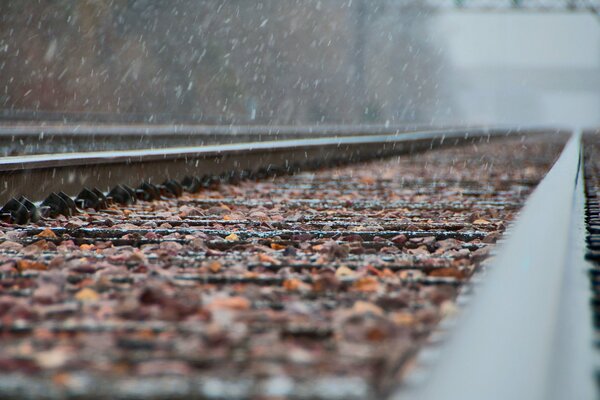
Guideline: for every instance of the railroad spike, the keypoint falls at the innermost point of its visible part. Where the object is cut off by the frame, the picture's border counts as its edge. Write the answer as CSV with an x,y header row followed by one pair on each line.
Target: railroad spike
x,y
191,184
69,201
55,205
147,192
174,187
119,194
101,197
16,212
210,181
131,192
34,213
88,199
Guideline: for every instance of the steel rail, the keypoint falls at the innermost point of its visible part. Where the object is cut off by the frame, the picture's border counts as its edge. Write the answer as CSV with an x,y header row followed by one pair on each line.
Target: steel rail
x,y
38,138
526,332
35,176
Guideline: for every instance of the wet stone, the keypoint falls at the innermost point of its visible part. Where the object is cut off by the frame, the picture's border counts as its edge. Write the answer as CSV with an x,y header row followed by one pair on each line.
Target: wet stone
x,y
292,286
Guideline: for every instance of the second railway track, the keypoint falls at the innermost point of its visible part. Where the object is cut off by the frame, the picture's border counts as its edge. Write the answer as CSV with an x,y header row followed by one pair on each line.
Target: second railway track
x,y
260,280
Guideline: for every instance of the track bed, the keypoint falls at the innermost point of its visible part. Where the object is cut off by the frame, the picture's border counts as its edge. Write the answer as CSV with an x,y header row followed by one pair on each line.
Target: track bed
x,y
319,285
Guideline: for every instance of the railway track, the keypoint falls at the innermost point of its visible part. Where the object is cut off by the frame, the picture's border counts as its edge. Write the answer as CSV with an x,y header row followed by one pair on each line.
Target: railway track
x,y
307,268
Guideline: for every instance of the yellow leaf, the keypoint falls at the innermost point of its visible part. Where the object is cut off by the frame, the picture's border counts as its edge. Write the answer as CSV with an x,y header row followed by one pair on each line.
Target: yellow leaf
x,y
232,238
344,271
403,318
87,295
364,307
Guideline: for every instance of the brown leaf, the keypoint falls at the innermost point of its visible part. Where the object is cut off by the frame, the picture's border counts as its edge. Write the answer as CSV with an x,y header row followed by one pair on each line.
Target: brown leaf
x,y
265,258
447,273
215,267
24,265
366,284
232,303
294,285
276,246
47,233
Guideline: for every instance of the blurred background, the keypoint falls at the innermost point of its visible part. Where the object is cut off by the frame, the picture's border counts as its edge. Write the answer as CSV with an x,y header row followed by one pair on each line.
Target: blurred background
x,y
301,61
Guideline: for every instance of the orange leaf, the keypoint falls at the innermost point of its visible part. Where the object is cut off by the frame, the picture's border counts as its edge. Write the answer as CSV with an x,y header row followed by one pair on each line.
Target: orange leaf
x,y
364,307
24,265
367,180
232,238
366,284
232,303
403,318
215,267
47,233
447,273
87,295
265,258
294,284
276,246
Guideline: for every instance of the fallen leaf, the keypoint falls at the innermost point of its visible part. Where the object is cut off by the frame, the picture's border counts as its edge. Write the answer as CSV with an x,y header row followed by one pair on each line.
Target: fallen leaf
x,y
447,273
87,295
24,265
294,285
364,307
215,267
265,258
47,233
366,284
232,303
367,180
276,246
344,271
51,359
403,318
481,222
232,238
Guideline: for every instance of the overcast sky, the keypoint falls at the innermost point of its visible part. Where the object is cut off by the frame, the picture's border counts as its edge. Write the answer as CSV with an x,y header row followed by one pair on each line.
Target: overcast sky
x,y
523,68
